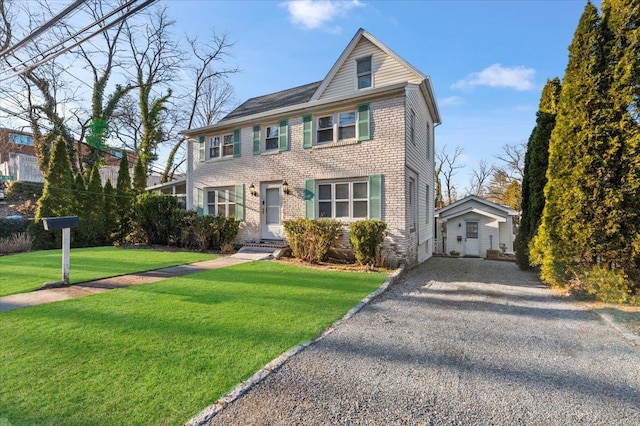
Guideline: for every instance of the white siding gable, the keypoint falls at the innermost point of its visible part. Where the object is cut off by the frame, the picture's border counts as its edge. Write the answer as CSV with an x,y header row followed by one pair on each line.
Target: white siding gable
x,y
386,71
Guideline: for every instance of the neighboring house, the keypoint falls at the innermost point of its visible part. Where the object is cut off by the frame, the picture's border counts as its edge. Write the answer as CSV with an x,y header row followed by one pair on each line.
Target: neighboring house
x,y
176,188
358,144
18,158
472,225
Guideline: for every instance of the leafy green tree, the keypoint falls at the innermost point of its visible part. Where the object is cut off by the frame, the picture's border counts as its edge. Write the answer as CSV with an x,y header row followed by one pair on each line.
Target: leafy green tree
x,y
124,200
81,207
535,170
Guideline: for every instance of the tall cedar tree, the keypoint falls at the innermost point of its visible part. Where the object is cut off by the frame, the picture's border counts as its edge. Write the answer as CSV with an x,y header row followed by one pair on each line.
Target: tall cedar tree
x,y
57,196
568,220
96,212
621,21
109,216
139,176
124,199
535,169
81,207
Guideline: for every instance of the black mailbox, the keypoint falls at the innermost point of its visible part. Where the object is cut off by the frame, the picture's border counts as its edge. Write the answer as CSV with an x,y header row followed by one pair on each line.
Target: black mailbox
x,y
53,223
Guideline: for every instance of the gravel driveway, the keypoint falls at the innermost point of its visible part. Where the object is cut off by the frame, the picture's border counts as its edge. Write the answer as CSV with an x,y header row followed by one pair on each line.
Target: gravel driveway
x,y
456,341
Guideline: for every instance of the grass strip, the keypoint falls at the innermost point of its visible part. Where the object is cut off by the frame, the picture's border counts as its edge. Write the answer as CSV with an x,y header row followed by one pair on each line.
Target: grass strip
x,y
28,271
160,353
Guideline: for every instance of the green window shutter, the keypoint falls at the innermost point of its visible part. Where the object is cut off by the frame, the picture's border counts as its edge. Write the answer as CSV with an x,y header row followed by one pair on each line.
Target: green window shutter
x,y
283,138
236,143
309,198
240,202
256,140
200,202
307,131
375,197
201,150
364,128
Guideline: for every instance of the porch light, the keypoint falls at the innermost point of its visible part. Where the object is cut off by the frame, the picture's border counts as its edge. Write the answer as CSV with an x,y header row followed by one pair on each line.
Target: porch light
x,y
253,191
285,187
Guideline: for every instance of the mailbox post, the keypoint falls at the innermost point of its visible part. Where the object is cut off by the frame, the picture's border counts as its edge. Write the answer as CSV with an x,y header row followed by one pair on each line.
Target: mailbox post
x,y
65,223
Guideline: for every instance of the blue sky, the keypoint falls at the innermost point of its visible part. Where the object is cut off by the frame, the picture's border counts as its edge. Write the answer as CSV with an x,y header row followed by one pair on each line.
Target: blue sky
x,y
488,60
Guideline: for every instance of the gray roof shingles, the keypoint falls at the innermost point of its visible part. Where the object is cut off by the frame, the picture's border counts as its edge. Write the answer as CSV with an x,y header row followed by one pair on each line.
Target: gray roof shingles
x,y
284,98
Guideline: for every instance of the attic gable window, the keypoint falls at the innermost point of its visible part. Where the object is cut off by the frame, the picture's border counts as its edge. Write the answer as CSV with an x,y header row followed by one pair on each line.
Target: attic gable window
x,y
363,70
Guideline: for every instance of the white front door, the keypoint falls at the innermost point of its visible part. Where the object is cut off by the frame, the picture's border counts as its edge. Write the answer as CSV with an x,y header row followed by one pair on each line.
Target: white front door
x,y
472,240
271,211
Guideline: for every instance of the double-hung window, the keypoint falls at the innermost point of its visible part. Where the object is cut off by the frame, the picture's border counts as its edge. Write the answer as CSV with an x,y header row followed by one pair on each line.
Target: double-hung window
x,y
227,147
221,201
347,125
336,127
221,146
214,147
343,200
325,129
271,137
363,69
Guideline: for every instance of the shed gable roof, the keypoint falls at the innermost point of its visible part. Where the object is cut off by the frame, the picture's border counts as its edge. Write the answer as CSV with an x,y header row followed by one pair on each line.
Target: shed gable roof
x,y
473,199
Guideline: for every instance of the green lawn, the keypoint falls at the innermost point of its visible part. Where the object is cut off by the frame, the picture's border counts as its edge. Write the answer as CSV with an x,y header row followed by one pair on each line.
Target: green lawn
x,y
28,271
160,353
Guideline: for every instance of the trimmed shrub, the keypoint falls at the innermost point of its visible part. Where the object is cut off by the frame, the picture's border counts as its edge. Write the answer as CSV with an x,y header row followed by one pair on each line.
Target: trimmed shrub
x,y
366,237
310,240
611,286
9,227
16,243
207,232
156,220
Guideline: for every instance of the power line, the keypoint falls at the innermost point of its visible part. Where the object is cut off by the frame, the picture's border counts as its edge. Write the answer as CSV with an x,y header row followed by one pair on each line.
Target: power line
x,y
90,36
44,27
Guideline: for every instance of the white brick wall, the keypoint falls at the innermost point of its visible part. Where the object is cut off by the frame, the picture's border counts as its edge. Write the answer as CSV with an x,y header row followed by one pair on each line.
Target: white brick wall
x,y
383,154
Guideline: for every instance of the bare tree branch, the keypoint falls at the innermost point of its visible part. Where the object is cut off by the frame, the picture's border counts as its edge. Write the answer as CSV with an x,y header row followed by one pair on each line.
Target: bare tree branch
x,y
447,167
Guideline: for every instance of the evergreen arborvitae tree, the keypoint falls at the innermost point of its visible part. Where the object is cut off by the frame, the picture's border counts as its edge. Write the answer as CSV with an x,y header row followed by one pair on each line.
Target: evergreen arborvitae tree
x,y
139,176
57,197
621,27
109,216
567,229
535,168
81,208
124,200
96,211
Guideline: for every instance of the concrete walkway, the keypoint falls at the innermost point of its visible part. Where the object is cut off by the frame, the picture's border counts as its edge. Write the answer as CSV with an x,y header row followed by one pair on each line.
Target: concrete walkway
x,y
40,297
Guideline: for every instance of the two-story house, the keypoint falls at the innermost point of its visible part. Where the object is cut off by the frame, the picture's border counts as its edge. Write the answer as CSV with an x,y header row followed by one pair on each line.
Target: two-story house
x,y
357,144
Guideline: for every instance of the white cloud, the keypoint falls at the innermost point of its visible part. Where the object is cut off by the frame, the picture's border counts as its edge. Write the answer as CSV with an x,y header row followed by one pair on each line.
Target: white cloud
x,y
451,101
314,14
519,78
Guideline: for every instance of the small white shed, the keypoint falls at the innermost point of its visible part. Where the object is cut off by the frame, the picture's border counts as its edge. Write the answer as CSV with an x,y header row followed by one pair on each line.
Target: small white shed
x,y
473,225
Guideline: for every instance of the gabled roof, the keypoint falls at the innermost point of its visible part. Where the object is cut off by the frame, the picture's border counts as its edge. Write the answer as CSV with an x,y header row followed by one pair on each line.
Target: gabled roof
x,y
307,95
360,34
507,210
472,210
284,98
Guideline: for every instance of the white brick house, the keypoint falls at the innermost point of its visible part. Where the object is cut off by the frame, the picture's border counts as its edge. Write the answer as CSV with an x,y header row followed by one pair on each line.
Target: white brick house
x,y
357,144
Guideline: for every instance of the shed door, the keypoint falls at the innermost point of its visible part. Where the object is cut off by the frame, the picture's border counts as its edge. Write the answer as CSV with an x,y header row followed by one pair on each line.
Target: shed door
x,y
472,240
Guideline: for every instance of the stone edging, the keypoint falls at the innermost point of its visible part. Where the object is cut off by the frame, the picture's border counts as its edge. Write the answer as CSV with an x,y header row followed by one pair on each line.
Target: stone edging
x,y
209,412
635,340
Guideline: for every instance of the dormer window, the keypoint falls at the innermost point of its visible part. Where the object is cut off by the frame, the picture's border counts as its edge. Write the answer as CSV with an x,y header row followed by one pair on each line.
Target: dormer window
x,y
363,69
